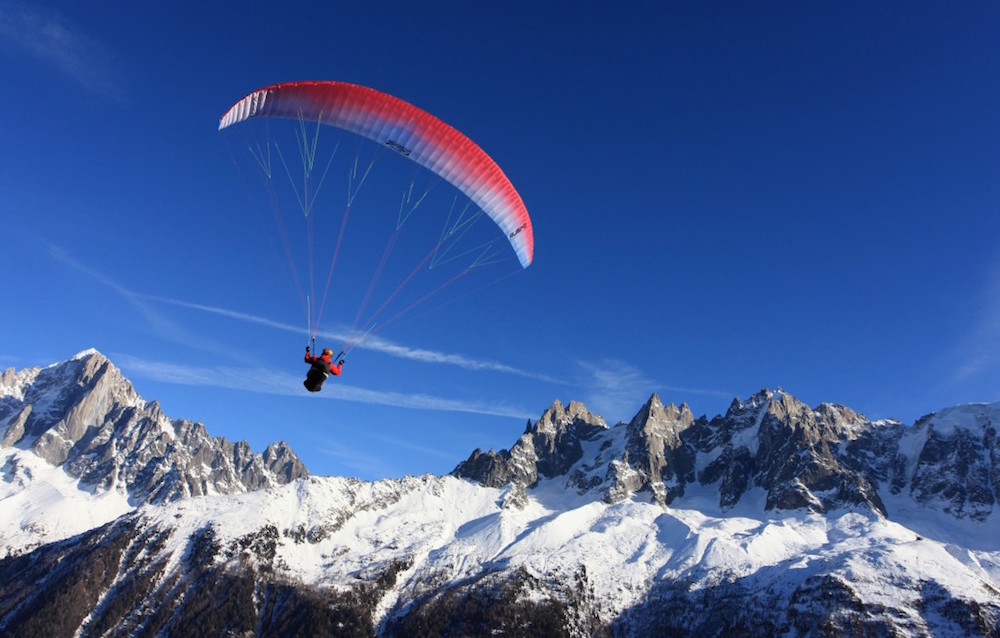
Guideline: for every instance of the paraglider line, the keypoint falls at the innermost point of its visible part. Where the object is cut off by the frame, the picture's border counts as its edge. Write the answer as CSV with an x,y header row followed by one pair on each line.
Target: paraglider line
x,y
352,192
262,157
395,320
405,281
307,153
333,263
275,212
406,198
303,205
482,249
485,258
308,147
453,233
376,276
404,311
350,346
309,332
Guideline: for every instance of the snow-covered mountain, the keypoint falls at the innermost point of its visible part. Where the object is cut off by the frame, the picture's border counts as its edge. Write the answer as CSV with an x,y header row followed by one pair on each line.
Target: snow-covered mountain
x,y
773,519
77,432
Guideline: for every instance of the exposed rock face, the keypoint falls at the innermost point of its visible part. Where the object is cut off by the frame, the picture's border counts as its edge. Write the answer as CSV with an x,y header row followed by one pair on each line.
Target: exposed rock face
x,y
548,449
558,436
654,449
797,461
85,416
803,458
958,468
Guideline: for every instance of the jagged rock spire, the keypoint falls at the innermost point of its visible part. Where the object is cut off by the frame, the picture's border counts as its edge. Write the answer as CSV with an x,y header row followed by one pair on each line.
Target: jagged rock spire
x,y
549,448
84,415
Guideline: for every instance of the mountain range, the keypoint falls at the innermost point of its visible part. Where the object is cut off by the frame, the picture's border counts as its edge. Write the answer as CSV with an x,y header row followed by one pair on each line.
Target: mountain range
x,y
775,518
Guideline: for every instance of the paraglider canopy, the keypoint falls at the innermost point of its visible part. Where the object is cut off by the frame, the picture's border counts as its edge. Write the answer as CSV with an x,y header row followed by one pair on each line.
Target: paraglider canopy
x,y
406,129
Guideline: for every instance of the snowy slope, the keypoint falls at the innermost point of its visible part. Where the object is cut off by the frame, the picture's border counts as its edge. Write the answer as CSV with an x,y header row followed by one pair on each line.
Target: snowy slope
x,y
774,519
40,503
331,532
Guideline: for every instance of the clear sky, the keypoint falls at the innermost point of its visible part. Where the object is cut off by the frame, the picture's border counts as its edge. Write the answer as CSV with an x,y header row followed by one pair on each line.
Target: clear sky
x,y
725,196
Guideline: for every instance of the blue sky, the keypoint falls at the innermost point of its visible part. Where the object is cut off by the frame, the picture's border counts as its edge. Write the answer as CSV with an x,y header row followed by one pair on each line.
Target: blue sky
x,y
725,197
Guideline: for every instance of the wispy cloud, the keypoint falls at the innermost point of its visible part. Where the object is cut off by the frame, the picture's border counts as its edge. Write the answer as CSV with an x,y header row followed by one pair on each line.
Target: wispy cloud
x,y
159,324
354,459
265,381
615,389
358,459
424,450
978,353
684,391
375,344
53,40
461,361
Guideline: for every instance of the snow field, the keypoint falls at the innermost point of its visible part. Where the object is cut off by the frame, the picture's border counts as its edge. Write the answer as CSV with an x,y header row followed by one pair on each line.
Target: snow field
x,y
40,503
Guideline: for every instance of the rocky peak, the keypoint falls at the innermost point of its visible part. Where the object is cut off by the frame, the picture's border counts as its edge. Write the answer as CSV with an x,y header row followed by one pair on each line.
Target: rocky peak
x,y
83,415
548,448
13,383
557,436
280,460
558,419
740,408
783,405
50,409
656,457
664,423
